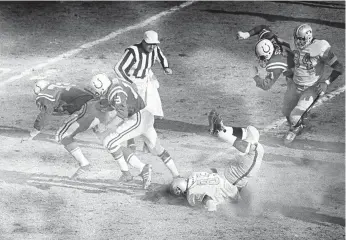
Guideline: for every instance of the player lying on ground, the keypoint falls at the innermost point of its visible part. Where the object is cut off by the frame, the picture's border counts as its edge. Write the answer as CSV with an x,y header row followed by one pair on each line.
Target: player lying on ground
x,y
212,189
132,120
84,113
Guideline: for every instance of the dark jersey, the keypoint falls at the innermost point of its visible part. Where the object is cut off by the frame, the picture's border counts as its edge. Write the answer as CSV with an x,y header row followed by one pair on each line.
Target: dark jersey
x,y
124,99
59,99
278,64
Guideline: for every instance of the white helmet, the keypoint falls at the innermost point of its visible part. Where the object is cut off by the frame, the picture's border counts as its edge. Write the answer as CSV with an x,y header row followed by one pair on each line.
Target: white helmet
x,y
252,135
99,84
264,50
178,186
40,85
302,36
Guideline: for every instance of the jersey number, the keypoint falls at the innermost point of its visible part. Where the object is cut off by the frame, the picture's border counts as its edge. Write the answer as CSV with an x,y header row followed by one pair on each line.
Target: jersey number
x,y
208,181
306,60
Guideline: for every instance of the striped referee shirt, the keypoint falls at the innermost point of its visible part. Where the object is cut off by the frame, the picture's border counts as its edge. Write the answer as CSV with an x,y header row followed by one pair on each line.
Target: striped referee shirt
x,y
136,62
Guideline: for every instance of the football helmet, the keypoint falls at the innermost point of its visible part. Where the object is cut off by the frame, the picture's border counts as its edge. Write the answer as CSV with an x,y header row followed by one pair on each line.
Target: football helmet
x,y
178,186
302,36
40,85
264,50
99,85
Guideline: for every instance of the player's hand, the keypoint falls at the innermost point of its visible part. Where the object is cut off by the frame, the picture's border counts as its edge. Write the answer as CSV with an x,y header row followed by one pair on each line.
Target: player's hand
x,y
168,71
242,35
322,88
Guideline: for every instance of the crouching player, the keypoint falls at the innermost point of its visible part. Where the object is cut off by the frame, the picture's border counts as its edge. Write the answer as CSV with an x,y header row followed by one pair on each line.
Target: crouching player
x,y
212,189
85,112
132,120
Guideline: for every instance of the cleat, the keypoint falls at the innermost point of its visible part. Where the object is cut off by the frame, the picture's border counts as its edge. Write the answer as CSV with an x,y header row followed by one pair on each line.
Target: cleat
x,y
126,176
211,116
291,135
215,122
80,171
146,176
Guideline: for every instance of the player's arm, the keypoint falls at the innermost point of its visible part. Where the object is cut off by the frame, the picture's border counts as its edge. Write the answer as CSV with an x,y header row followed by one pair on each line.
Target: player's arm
x,y
125,63
252,32
271,77
163,61
77,102
285,45
331,59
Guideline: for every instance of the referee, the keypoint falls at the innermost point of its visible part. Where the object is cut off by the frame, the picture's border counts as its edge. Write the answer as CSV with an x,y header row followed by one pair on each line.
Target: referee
x,y
135,68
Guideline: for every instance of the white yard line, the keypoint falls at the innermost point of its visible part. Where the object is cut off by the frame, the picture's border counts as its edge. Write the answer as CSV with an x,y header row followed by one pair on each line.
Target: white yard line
x,y
112,35
325,98
91,44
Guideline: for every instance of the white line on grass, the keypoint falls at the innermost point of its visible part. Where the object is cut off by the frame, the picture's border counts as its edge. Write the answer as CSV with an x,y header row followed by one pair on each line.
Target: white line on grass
x,y
91,44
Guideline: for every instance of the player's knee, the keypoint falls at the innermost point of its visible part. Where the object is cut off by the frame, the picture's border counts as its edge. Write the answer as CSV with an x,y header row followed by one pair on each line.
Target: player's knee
x,y
66,140
127,153
111,142
70,147
117,153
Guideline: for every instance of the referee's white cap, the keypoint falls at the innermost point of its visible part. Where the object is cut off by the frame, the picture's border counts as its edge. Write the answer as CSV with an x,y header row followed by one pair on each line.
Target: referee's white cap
x,y
151,37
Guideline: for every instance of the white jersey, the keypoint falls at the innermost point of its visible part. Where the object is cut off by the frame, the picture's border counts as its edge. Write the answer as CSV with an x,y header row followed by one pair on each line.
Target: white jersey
x,y
213,185
310,62
244,167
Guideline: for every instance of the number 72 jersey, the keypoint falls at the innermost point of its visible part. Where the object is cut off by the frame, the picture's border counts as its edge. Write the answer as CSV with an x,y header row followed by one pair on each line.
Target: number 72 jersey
x,y
201,184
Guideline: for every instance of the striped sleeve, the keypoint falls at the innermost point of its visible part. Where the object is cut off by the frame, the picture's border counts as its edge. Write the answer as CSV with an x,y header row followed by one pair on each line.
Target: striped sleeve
x,y
123,67
162,58
46,104
271,67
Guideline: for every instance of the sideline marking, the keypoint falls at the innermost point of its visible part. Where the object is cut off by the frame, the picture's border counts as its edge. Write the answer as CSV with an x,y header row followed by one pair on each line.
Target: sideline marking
x,y
325,98
93,43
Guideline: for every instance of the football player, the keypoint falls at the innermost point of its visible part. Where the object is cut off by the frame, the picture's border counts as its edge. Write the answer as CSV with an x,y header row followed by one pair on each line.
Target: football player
x,y
212,189
311,55
61,99
132,120
274,54
85,112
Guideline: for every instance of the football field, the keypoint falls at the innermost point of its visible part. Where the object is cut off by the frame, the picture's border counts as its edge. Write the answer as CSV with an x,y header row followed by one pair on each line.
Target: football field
x,y
300,190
